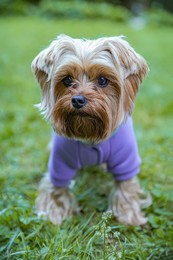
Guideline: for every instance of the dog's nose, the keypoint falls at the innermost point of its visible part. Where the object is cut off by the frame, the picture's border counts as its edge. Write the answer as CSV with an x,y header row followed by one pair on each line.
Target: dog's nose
x,y
78,101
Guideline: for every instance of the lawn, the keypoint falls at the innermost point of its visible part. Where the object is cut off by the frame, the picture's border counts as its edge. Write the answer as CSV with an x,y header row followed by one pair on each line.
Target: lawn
x,y
25,135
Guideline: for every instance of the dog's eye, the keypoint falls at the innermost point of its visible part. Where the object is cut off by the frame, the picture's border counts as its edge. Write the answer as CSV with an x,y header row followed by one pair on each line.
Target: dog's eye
x,y
102,81
67,81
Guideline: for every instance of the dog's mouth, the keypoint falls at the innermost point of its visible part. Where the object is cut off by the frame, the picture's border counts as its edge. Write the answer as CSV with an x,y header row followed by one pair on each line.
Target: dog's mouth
x,y
81,113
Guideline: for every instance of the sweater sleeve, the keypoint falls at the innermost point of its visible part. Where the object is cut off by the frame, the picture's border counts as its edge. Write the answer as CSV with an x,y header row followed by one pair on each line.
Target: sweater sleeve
x,y
63,161
124,162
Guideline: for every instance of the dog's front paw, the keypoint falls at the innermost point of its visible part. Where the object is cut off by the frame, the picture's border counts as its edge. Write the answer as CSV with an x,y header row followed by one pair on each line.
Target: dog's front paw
x,y
55,203
126,201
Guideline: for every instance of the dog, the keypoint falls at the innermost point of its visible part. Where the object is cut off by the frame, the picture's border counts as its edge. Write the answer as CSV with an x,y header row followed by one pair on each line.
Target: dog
x,y
88,93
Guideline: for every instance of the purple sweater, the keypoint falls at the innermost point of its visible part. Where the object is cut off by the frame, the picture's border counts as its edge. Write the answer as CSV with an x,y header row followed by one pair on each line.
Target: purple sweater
x,y
120,152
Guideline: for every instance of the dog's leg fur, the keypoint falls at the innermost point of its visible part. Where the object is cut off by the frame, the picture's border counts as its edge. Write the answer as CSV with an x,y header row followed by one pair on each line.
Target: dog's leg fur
x,y
55,203
126,201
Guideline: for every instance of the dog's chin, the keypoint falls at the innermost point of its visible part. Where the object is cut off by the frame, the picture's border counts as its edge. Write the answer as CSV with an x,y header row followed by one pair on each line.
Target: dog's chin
x,y
82,126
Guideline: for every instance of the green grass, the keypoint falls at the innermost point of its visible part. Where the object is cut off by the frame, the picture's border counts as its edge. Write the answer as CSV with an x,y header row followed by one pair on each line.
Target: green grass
x,y
24,137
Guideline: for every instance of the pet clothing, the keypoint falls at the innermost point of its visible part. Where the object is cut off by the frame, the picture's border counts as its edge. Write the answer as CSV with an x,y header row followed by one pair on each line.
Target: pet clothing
x,y
119,152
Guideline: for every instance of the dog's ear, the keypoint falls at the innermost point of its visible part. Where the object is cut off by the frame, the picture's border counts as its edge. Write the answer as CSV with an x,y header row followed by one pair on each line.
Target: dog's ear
x,y
42,66
133,69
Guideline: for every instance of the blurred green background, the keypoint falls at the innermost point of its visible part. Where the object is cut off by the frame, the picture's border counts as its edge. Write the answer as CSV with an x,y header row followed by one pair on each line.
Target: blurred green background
x,y
116,10
26,27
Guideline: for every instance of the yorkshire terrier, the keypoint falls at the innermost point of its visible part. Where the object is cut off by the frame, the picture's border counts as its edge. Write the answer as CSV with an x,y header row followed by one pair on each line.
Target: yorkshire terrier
x,y
88,92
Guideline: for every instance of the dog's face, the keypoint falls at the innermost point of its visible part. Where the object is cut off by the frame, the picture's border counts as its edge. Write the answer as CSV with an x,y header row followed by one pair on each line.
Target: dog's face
x,y
88,86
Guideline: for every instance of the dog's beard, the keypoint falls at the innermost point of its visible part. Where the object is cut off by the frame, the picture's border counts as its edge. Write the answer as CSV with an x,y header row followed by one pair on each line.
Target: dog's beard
x,y
83,127
90,124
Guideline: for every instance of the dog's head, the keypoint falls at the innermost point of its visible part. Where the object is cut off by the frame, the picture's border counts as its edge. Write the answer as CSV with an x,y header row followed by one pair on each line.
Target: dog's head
x,y
88,86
